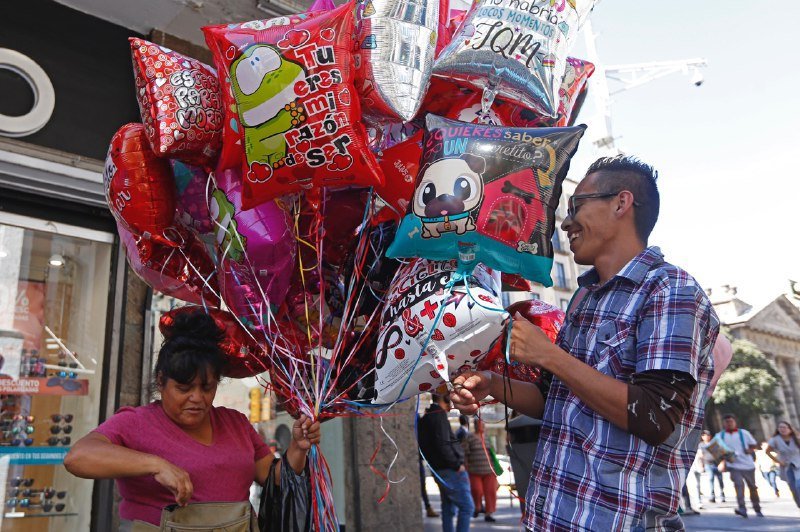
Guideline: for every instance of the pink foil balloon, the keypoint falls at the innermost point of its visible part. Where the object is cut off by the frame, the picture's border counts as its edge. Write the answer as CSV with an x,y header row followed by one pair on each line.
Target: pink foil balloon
x,y
256,248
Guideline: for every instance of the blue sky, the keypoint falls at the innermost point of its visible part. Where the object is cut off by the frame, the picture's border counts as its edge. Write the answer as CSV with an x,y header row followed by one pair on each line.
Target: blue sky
x,y
727,151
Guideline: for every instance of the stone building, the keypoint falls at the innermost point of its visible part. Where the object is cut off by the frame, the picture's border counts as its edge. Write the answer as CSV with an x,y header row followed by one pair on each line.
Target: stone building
x,y
775,329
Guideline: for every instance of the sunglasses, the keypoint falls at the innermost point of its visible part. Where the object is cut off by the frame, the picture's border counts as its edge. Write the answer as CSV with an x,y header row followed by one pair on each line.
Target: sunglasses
x,y
58,429
16,442
19,481
13,502
58,417
573,205
69,384
66,440
47,493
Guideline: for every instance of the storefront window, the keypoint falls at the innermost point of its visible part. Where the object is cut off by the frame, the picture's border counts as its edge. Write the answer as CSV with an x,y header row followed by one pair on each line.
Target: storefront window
x,y
54,291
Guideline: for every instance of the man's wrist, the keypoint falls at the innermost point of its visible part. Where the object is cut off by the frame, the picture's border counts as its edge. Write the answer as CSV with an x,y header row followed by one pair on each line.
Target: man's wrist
x,y
553,359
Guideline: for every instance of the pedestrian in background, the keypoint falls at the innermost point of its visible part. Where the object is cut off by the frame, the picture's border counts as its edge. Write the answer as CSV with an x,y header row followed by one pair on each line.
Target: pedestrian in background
x,y
429,511
784,448
769,469
710,466
445,456
742,467
463,428
482,478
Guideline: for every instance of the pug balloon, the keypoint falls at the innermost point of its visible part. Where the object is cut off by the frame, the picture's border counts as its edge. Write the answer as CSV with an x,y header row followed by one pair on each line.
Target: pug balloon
x,y
449,190
487,194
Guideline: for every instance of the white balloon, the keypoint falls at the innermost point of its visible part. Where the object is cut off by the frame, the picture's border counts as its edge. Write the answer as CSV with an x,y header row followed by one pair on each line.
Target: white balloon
x,y
466,328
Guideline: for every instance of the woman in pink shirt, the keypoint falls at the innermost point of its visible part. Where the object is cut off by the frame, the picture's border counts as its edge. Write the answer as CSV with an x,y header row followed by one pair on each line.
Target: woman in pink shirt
x,y
182,449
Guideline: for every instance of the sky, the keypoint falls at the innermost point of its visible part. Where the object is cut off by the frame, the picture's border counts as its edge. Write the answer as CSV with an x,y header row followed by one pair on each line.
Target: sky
x,y
726,151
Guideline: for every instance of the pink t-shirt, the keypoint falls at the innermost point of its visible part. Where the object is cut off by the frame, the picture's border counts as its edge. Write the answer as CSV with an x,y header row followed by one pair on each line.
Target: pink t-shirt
x,y
220,472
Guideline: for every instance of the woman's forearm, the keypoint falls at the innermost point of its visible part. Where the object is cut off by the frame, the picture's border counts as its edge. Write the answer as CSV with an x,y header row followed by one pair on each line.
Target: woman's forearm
x,y
97,458
296,457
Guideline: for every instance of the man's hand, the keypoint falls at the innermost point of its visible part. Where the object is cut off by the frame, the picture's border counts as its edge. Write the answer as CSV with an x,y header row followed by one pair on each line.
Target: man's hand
x,y
461,468
305,433
175,480
529,344
470,388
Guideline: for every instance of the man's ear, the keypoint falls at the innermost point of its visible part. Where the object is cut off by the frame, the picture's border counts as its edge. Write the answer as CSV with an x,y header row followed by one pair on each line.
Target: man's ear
x,y
625,201
476,163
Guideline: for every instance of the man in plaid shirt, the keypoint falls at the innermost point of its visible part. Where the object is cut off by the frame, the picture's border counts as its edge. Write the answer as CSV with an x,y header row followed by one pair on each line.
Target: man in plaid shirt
x,y
628,374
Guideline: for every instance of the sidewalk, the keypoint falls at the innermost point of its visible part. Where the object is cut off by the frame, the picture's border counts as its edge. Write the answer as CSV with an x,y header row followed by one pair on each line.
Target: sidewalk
x,y
781,514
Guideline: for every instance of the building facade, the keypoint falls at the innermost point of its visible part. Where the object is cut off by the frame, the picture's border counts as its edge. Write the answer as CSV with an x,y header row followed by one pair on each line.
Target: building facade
x,y
775,329
62,268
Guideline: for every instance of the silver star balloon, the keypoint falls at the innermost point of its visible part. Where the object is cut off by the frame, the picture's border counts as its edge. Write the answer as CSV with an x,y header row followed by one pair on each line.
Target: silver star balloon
x,y
397,42
516,49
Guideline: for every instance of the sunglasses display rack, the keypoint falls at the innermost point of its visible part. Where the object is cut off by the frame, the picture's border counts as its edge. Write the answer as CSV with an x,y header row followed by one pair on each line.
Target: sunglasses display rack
x,y
38,423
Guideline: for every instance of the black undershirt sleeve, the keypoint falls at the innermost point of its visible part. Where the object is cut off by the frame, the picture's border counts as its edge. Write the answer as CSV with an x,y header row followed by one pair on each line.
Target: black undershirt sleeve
x,y
657,400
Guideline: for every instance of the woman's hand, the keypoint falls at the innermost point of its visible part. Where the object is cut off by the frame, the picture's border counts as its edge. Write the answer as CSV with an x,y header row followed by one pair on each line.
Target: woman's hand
x,y
305,433
175,480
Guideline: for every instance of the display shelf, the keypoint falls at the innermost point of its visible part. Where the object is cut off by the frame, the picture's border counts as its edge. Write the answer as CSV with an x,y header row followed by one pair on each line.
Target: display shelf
x,y
43,386
22,515
35,455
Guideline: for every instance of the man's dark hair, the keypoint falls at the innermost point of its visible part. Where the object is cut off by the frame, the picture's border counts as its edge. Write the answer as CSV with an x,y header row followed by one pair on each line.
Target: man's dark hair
x,y
463,420
730,416
625,172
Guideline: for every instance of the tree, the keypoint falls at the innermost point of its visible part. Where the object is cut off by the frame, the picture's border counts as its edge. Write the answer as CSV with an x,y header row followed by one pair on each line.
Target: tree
x,y
748,386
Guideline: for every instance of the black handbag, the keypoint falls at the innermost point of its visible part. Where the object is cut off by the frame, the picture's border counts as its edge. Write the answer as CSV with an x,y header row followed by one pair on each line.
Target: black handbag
x,y
285,505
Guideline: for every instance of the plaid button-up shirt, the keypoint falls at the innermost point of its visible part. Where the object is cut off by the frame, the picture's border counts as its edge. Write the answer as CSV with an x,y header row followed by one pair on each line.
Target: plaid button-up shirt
x,y
588,473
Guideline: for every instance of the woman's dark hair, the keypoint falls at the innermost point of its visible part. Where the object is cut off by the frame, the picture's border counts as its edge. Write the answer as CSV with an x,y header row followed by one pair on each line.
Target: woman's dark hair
x,y
191,347
794,433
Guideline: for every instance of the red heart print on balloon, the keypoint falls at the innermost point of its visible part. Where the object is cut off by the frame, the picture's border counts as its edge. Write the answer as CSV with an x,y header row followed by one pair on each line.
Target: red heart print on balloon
x,y
328,34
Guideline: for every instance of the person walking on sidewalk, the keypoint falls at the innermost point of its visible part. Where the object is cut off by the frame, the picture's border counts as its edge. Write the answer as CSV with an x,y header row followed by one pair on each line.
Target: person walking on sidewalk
x,y
463,428
482,479
429,511
742,467
445,456
710,466
784,449
768,468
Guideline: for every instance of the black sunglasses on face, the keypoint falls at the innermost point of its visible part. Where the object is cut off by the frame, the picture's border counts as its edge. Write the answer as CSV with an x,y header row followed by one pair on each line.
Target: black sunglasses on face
x,y
573,206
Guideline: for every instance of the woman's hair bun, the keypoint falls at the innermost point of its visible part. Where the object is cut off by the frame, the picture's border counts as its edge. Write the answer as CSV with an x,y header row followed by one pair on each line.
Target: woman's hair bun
x,y
194,325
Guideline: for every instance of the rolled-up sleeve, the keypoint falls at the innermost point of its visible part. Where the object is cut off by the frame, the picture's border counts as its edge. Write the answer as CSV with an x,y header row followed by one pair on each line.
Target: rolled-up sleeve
x,y
678,326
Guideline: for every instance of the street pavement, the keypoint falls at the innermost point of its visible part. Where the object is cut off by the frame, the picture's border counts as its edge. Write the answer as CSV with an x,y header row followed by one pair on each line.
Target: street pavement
x,y
781,514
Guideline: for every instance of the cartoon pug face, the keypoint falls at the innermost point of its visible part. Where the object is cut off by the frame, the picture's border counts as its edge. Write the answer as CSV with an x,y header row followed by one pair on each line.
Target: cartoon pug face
x,y
448,191
263,84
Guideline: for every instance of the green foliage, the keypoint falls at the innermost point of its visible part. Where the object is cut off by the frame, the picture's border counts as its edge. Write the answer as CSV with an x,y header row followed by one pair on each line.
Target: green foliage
x,y
749,384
